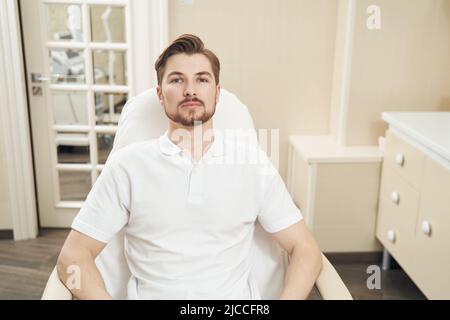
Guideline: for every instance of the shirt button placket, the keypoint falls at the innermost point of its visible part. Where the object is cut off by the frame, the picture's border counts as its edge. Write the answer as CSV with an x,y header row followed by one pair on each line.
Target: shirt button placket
x,y
196,184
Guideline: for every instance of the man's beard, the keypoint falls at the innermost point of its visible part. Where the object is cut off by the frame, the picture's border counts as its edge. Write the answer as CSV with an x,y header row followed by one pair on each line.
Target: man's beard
x,y
192,117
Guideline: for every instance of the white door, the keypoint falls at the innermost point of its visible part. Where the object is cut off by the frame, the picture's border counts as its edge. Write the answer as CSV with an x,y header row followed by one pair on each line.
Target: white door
x,y
80,73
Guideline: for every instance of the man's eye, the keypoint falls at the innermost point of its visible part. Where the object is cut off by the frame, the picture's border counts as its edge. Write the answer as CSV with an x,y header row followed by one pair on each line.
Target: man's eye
x,y
175,80
203,80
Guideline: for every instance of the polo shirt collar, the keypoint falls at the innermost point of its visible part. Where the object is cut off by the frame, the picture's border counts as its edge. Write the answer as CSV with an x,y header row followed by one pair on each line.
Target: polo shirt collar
x,y
169,148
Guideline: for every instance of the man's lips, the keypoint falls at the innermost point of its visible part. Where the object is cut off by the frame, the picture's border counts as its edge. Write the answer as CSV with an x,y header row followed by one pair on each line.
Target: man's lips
x,y
190,104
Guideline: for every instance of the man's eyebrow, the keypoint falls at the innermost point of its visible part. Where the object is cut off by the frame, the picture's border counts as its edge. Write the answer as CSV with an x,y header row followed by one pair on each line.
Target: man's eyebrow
x,y
174,73
201,73
206,73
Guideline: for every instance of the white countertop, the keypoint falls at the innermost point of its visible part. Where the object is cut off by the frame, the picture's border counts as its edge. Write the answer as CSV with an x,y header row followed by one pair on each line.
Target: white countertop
x,y
323,149
430,129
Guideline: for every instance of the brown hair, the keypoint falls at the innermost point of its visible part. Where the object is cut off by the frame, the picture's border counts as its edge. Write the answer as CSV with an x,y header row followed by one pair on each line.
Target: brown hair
x,y
189,44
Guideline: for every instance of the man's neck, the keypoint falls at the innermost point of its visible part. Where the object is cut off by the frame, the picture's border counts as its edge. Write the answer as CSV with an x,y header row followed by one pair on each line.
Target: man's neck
x,y
194,139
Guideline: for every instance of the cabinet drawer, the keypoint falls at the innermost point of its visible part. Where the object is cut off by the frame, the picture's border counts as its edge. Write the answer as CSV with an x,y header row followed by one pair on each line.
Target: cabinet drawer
x,y
397,216
406,160
431,263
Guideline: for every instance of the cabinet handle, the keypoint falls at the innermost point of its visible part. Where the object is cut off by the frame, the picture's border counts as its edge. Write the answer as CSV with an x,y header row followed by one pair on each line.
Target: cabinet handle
x,y
426,228
399,159
391,236
395,197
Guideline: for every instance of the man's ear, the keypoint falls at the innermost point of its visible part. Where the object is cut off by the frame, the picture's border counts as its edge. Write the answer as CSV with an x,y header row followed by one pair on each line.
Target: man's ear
x,y
159,94
217,93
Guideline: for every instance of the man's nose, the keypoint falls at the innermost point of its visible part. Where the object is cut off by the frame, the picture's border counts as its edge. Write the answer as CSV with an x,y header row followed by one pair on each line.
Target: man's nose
x,y
190,90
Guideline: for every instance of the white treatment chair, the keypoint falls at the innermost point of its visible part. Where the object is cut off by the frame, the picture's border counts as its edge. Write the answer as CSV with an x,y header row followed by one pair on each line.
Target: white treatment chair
x,y
143,118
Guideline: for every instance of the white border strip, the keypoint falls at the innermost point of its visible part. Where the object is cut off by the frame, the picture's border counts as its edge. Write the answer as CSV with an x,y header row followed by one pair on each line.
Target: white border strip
x,y
110,88
82,45
105,129
69,128
74,167
86,129
95,88
93,2
68,87
69,204
129,70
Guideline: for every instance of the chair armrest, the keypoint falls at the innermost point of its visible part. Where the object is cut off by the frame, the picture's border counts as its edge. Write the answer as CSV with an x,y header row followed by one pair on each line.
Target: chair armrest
x,y
55,289
330,284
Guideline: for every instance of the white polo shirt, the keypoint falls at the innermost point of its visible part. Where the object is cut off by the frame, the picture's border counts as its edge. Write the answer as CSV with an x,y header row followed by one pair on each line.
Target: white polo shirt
x,y
188,226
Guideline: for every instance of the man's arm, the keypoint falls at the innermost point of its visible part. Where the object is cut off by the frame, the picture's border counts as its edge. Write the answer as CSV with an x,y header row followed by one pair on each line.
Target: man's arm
x,y
305,260
78,254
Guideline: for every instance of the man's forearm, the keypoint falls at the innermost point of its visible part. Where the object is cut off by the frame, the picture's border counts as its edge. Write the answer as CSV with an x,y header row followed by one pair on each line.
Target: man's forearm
x,y
304,268
80,275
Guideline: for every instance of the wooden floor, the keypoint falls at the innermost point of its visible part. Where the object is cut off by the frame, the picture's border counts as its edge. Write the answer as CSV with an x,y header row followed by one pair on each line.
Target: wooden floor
x,y
26,265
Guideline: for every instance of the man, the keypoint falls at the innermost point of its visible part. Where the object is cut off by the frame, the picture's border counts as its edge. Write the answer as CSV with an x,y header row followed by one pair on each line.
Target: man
x,y
188,212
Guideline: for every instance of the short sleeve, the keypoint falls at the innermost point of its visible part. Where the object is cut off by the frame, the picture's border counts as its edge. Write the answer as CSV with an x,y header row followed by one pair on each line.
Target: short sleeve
x,y
106,209
277,211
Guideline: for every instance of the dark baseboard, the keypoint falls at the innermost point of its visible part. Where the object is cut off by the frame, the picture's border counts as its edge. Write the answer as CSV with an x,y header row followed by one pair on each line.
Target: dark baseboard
x,y
6,235
354,257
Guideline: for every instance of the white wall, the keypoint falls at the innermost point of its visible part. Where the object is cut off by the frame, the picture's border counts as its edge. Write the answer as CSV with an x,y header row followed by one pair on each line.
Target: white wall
x,y
404,66
276,56
279,58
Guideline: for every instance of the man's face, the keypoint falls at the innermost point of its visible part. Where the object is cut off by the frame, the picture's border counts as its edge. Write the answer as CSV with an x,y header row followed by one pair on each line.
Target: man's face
x,y
188,89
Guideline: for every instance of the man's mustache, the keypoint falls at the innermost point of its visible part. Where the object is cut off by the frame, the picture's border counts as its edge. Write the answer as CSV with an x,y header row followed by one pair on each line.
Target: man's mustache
x,y
191,100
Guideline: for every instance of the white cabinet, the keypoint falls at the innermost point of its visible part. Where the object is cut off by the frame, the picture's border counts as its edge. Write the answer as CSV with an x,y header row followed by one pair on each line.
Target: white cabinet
x,y
413,220
399,199
431,262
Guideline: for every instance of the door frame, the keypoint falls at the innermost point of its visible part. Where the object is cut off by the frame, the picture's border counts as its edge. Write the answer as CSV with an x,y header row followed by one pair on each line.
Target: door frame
x,y
15,129
149,38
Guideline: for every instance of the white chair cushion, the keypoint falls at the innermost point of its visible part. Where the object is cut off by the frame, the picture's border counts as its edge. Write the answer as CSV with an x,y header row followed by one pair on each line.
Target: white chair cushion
x,y
143,118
